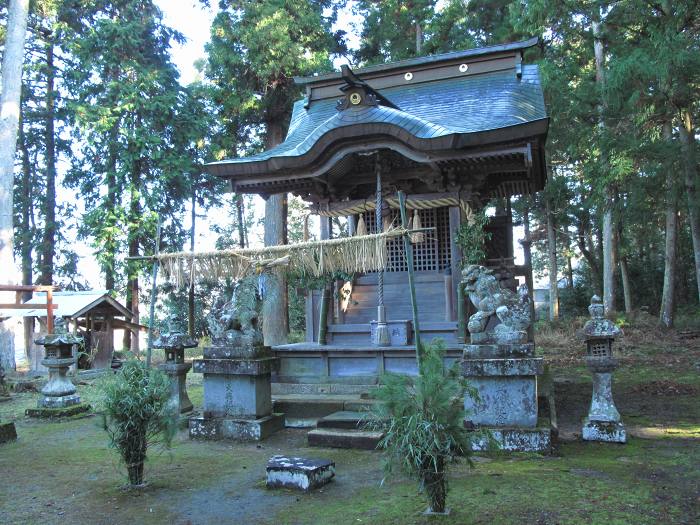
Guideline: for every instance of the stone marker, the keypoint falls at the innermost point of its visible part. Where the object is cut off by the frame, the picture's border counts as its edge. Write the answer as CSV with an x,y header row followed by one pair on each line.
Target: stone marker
x,y
500,363
237,368
174,343
7,430
603,422
299,473
59,397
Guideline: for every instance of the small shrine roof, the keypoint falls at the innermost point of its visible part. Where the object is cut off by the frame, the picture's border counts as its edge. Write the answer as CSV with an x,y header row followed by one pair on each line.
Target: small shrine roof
x,y
443,103
73,304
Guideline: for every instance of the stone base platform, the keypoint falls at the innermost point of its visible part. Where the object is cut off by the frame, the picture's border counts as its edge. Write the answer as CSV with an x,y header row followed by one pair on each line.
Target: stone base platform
x,y
53,413
7,432
538,439
606,431
299,473
236,429
59,401
344,438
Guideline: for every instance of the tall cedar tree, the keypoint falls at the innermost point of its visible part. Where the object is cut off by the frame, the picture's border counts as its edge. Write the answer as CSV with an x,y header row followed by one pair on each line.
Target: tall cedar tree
x,y
256,49
130,117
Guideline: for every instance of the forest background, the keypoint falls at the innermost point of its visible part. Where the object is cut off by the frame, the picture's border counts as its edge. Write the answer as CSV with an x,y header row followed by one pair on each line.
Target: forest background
x,y
111,142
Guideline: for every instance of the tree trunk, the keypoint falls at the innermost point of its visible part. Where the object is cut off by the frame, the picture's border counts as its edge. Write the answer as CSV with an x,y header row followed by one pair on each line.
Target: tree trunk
x,y
667,310
626,286
241,223
435,484
587,248
552,266
527,256
135,472
608,259
569,273
48,241
275,323
110,246
10,97
190,294
25,238
275,311
608,230
687,134
9,123
132,292
419,39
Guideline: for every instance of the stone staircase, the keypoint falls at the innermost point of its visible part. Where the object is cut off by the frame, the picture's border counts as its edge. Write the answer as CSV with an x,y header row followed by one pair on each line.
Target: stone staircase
x,y
343,429
335,420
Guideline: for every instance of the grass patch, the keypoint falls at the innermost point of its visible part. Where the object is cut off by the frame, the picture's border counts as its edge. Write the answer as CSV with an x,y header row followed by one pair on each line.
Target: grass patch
x,y
63,472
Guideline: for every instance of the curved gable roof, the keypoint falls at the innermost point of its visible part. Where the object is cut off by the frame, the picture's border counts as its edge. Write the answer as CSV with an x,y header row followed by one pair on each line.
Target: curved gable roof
x,y
468,108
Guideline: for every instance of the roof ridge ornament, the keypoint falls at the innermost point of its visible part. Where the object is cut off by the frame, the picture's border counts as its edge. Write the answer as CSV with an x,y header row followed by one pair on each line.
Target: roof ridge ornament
x,y
359,93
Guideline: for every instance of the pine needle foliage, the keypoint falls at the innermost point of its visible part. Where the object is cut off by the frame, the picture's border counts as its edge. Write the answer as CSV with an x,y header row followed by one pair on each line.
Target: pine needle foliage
x,y
423,421
137,415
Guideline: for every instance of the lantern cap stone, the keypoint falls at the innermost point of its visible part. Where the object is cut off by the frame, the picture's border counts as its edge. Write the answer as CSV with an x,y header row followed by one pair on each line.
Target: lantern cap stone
x,y
60,336
175,338
598,327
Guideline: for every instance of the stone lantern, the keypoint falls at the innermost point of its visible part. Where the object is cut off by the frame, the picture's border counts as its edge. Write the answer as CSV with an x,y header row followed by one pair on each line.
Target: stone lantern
x,y
603,422
174,343
59,396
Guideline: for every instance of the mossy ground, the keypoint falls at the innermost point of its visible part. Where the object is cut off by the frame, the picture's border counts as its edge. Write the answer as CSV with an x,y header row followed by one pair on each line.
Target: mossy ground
x,y
63,472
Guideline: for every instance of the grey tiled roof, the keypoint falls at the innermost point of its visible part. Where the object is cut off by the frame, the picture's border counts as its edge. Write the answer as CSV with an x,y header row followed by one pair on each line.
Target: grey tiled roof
x,y
418,61
461,105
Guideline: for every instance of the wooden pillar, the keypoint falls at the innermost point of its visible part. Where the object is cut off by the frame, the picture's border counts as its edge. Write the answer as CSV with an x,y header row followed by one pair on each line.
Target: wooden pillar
x,y
109,328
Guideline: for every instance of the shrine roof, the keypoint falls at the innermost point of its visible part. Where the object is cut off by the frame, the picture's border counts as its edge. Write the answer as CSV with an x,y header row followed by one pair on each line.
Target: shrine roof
x,y
444,102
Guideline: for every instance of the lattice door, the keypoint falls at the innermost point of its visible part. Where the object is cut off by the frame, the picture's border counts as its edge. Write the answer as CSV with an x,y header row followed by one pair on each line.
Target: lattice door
x,y
433,254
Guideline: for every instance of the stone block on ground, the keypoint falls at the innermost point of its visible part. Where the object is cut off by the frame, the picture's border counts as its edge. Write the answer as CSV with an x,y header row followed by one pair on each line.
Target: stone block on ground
x,y
236,429
299,473
605,431
537,439
53,413
7,432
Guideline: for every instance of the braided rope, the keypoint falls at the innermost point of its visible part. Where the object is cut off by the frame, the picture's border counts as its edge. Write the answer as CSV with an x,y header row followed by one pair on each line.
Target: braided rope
x,y
378,222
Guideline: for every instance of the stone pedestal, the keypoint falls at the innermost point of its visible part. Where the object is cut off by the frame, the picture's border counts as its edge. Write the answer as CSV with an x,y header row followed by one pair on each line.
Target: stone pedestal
x,y
505,377
603,422
237,396
177,372
59,397
174,343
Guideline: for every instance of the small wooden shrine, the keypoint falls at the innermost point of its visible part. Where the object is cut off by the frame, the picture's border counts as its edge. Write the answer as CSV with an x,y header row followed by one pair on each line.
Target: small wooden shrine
x,y
92,314
453,131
